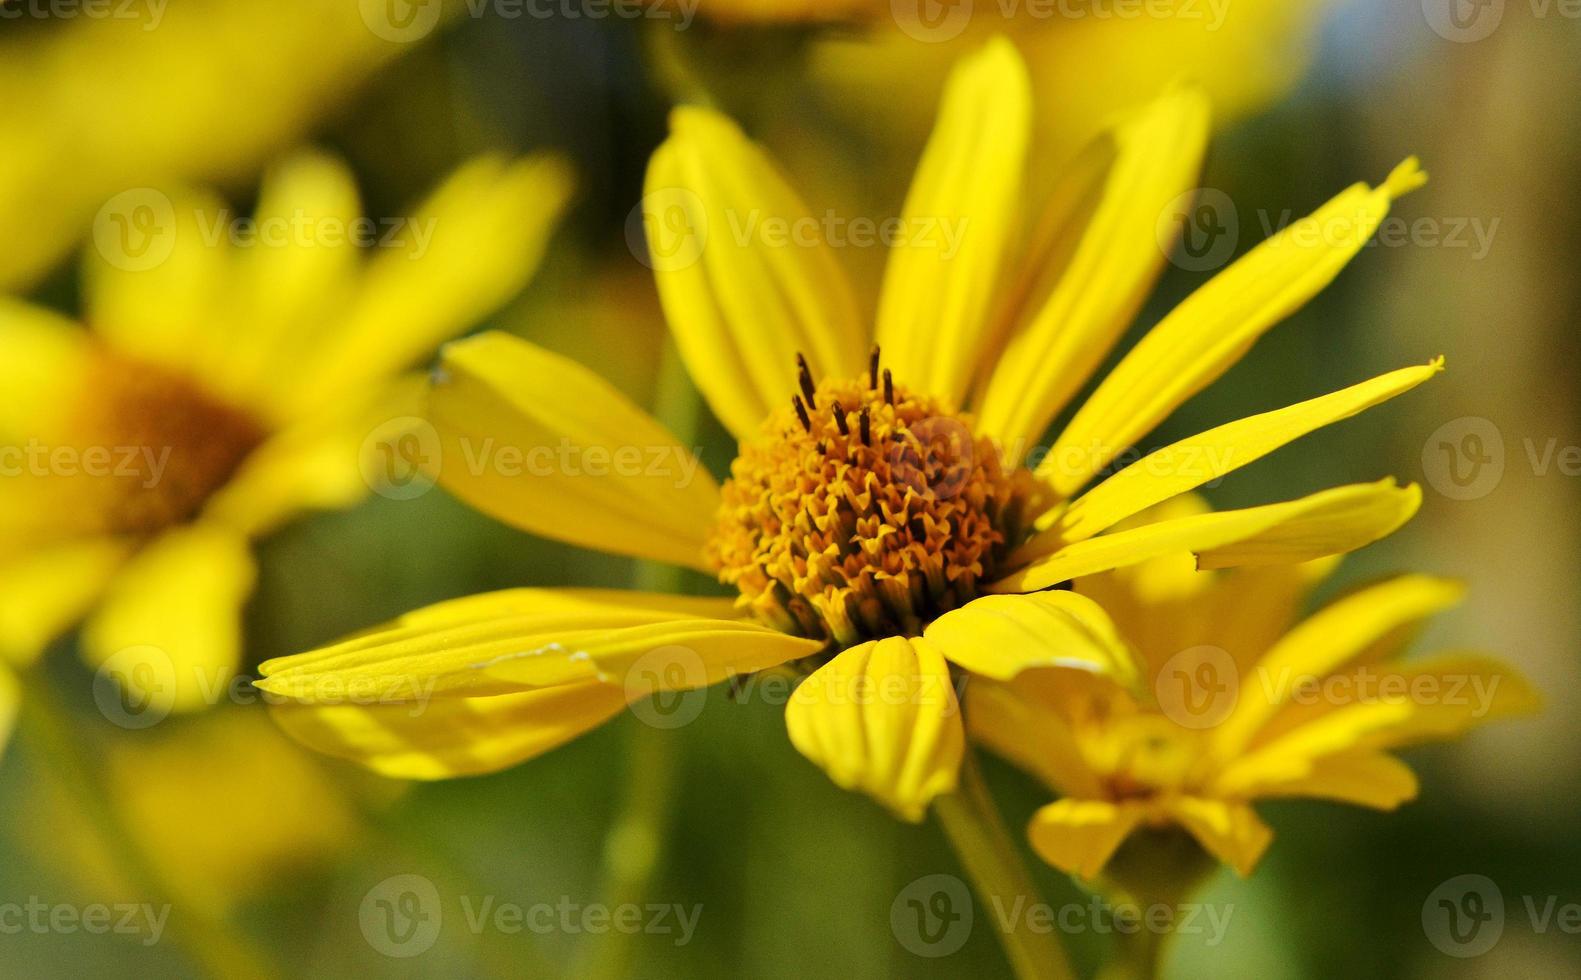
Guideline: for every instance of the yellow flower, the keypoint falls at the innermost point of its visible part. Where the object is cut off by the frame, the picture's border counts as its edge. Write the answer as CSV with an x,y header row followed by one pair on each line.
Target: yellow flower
x,y
227,380
1235,700
868,522
148,93
219,803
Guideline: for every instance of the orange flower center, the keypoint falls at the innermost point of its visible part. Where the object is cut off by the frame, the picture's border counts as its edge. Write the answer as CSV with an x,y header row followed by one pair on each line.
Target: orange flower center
x,y
153,446
862,510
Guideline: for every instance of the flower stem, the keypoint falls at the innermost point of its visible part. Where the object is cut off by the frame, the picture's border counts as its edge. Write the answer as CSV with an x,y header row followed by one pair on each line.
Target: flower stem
x,y
972,823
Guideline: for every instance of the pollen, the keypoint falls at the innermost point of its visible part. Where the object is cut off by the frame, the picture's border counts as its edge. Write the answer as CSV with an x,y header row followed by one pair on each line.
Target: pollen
x,y
863,510
164,443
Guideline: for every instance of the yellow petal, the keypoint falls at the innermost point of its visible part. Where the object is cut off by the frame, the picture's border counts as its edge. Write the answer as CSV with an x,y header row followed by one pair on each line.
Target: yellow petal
x,y
470,247
176,607
1292,755
1014,722
1231,832
446,737
1207,333
1329,522
10,702
503,642
1359,777
1203,458
328,461
44,592
745,276
1337,521
542,443
1326,641
298,277
881,718
164,302
44,357
933,313
1080,836
1442,696
999,636
1093,265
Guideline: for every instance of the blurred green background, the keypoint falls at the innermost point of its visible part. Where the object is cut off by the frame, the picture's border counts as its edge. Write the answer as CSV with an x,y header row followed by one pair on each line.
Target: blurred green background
x,y
793,877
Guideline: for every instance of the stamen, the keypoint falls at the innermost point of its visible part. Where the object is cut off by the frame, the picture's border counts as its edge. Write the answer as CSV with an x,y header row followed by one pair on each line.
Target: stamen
x,y
872,368
801,412
826,539
807,387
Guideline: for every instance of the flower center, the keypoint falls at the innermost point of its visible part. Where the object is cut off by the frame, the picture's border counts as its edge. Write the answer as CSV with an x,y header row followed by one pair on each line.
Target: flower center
x,y
154,445
862,510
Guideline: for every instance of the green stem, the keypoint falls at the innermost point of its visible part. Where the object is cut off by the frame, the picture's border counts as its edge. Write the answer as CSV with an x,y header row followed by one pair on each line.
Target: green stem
x,y
633,843
209,939
972,823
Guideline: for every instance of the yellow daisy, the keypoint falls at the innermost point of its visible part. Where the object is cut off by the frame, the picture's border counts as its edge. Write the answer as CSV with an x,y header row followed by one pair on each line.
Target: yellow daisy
x,y
227,380
868,521
1236,698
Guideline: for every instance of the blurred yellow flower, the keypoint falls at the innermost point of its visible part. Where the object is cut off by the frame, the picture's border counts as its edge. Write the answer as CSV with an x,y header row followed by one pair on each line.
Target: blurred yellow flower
x,y
232,369
1088,59
222,804
866,518
1236,699
146,94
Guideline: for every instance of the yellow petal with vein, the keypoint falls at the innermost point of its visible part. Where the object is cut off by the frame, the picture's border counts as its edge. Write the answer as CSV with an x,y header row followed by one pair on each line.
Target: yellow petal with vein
x,y
1208,332
544,444
934,310
882,718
